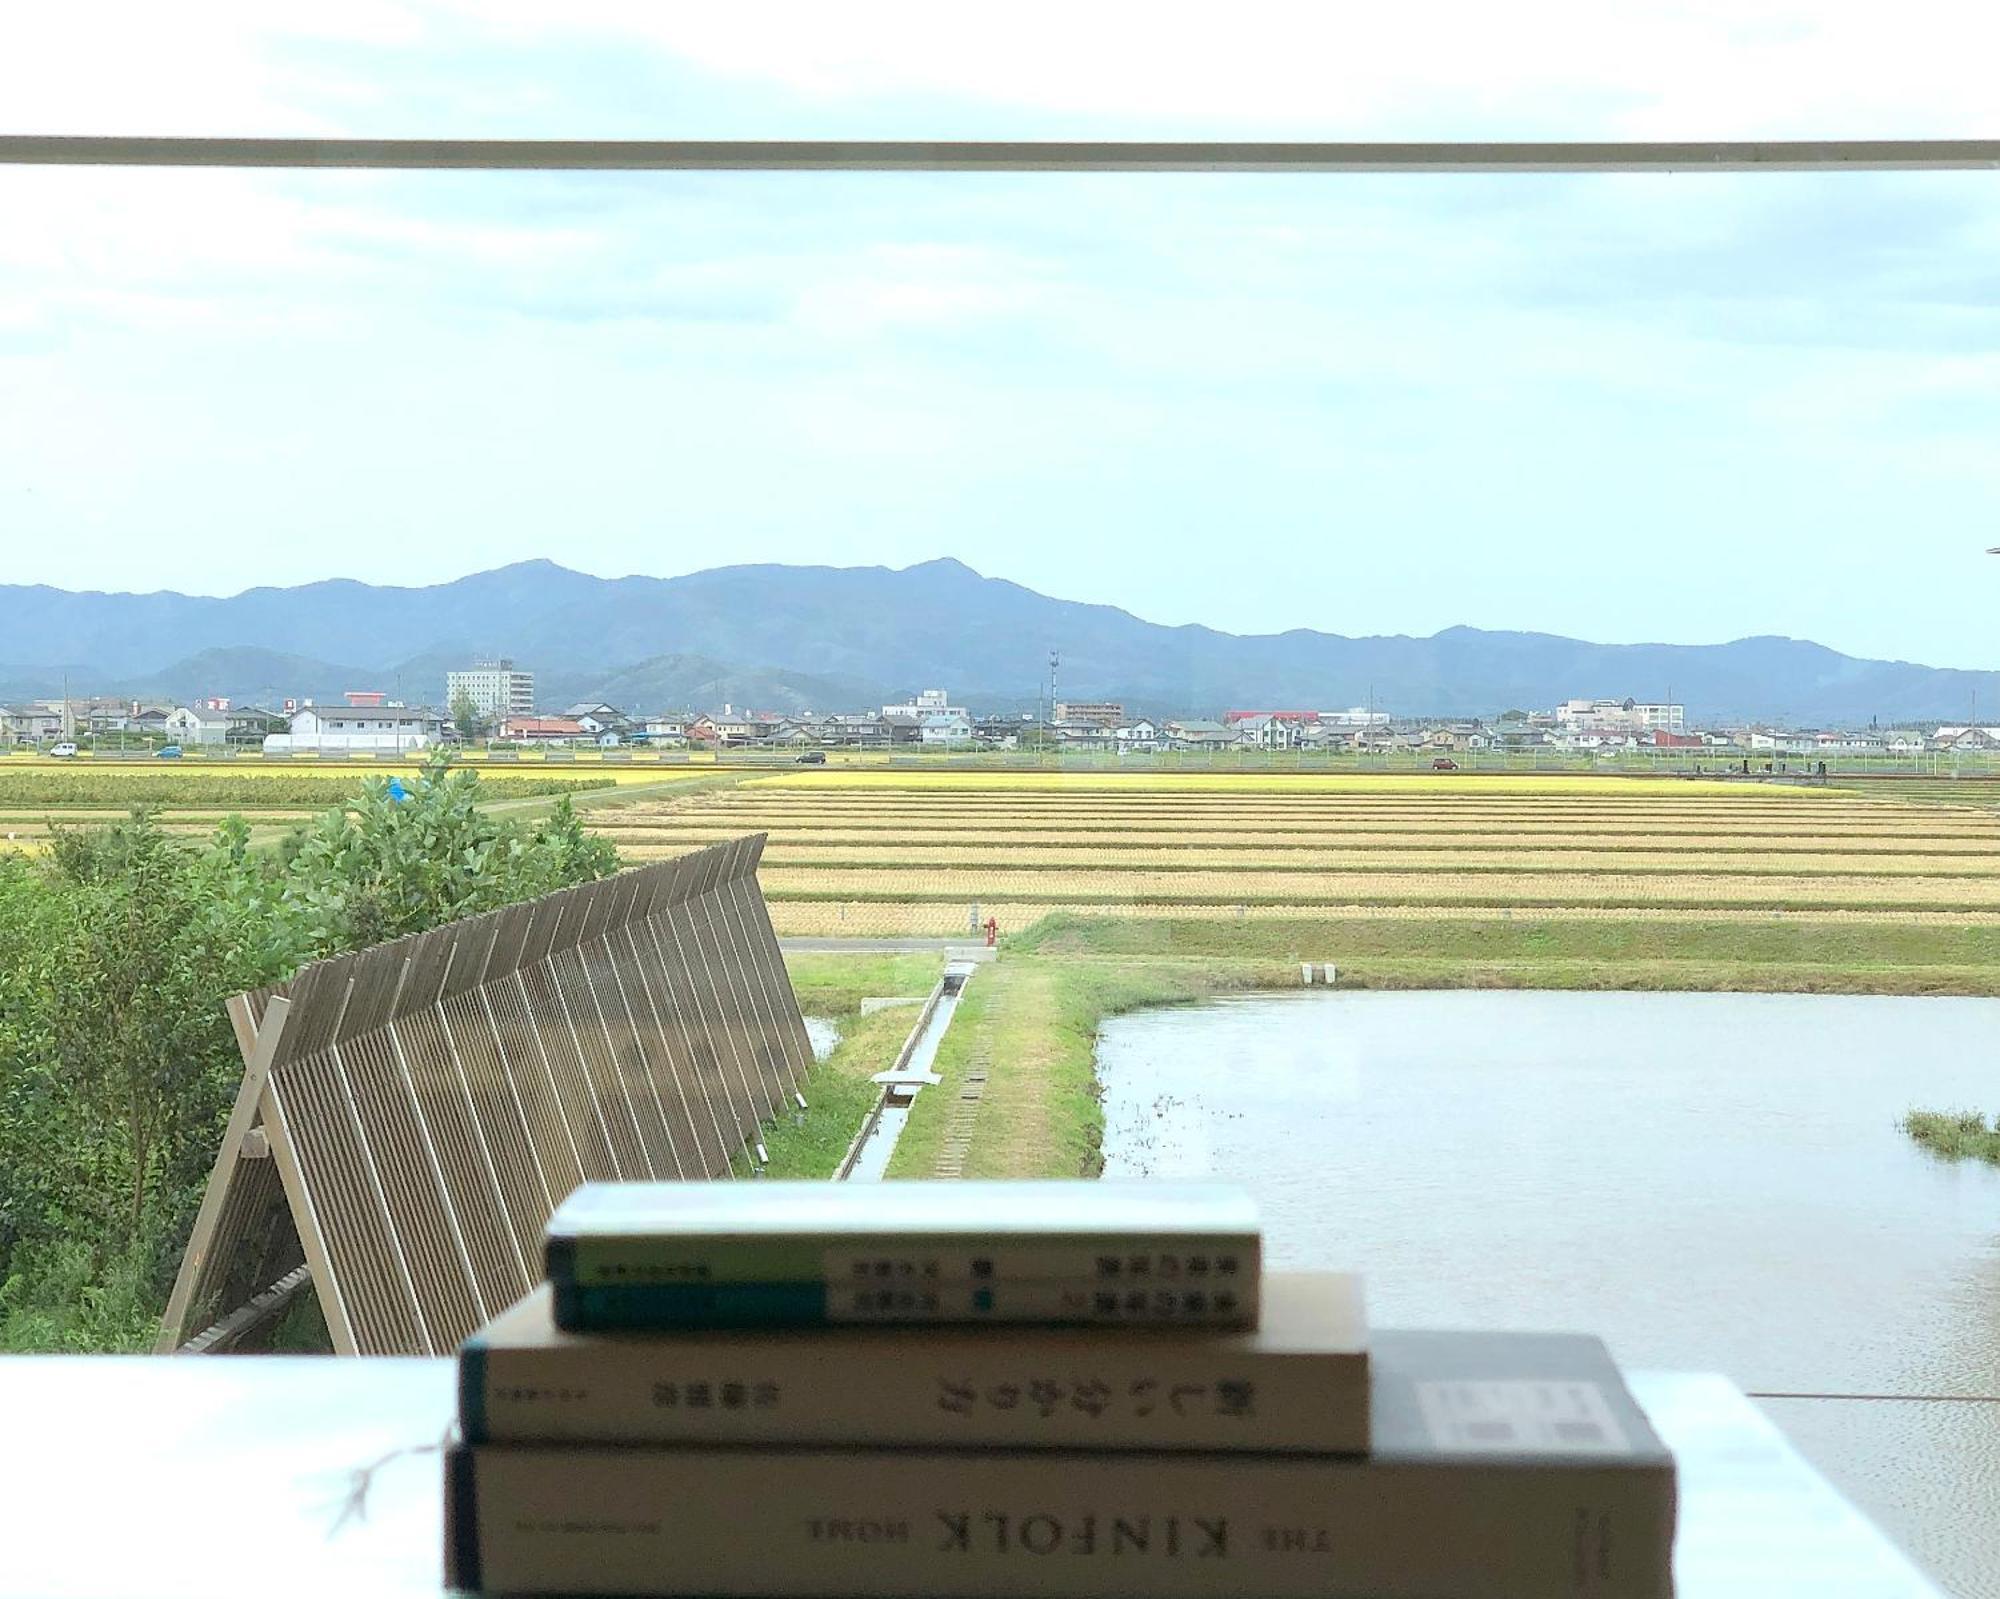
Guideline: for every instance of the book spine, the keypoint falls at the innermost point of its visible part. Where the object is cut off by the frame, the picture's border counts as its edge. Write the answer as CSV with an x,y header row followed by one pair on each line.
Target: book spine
x,y
991,1525
1136,1393
1217,1263
644,1306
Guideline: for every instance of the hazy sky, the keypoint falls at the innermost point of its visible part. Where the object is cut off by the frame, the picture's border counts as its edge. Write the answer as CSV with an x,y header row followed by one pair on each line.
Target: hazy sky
x,y
1624,408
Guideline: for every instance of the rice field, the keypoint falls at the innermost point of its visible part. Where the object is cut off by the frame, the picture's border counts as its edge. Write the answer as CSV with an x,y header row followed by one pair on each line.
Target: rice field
x,y
190,798
863,853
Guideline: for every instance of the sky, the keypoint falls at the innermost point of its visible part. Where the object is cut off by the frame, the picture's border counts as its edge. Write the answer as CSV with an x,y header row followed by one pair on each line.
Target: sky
x,y
1665,407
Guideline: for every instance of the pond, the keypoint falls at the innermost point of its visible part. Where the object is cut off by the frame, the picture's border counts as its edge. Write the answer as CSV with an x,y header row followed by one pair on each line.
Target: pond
x,y
823,1033
1710,1181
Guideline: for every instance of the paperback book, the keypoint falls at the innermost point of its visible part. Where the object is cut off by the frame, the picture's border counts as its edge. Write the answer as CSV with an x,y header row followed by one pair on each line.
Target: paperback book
x,y
1298,1381
639,1255
1504,1466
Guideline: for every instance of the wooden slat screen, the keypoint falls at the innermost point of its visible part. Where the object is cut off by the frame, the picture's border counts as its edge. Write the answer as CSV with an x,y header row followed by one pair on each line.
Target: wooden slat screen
x,y
423,1105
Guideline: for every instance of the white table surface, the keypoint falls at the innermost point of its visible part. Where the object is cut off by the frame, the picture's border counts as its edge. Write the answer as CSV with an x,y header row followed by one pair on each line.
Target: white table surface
x,y
193,1476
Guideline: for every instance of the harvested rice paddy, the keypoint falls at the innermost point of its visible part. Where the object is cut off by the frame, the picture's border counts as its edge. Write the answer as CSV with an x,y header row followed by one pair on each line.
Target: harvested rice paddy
x,y
861,853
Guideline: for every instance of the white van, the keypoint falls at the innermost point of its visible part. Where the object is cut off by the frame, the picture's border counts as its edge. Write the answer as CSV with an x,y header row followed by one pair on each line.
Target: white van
x,y
63,751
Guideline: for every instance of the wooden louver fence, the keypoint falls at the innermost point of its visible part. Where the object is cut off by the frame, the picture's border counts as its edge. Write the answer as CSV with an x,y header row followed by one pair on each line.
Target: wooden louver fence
x,y
411,1114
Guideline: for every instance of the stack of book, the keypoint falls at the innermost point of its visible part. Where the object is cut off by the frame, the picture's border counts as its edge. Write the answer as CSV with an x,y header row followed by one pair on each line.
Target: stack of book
x,y
1019,1389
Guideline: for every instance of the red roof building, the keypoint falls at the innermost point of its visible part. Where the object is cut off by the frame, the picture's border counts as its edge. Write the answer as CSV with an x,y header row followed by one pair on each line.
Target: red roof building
x,y
541,729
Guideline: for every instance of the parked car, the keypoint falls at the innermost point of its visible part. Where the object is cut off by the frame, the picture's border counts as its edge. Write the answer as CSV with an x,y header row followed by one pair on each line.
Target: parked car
x,y
810,758
1444,763
63,751
167,752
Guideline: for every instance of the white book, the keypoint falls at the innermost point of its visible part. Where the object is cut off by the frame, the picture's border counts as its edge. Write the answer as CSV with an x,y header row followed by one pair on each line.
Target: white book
x,y
651,1255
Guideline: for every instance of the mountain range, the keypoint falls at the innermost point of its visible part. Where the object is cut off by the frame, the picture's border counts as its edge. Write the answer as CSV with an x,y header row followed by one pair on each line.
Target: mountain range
x,y
793,638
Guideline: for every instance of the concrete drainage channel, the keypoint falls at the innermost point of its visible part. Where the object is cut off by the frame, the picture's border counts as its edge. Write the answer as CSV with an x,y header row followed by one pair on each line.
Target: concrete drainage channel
x,y
867,1158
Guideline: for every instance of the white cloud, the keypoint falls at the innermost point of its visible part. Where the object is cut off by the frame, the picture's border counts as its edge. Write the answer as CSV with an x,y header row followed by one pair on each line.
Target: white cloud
x,y
1534,68
883,287
1577,68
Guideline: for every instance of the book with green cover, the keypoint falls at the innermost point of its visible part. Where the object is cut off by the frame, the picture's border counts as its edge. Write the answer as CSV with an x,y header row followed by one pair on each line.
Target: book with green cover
x,y
639,1255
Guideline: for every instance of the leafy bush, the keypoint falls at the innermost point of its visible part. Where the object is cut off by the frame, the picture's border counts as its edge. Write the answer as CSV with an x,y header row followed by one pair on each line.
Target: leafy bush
x,y
117,1062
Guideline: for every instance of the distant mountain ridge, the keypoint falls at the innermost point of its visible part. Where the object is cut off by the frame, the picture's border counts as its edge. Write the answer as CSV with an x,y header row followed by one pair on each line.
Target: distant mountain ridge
x,y
817,638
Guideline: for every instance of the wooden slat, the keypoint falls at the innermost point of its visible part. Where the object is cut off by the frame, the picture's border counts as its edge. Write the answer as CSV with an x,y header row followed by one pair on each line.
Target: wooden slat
x,y
429,1101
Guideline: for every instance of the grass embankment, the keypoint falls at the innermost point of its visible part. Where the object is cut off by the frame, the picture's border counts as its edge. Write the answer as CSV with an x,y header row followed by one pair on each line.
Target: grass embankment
x,y
1955,1134
1232,782
1031,1025
837,1090
1527,952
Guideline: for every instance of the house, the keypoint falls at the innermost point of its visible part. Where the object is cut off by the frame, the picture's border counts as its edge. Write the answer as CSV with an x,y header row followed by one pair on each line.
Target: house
x,y
666,729
595,717
727,728
1199,735
1966,738
1138,736
902,727
33,724
357,729
999,732
250,725
1267,730
1834,741
945,727
542,729
197,724
1233,718
1086,736
851,728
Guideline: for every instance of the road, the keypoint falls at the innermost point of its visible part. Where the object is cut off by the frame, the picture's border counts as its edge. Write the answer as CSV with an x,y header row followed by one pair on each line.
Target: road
x,y
956,948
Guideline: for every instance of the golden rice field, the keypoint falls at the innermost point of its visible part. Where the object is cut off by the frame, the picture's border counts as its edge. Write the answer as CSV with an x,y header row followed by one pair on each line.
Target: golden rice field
x,y
190,798
83,774
888,853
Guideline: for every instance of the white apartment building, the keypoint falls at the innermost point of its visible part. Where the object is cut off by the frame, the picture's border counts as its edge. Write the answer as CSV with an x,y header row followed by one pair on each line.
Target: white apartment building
x,y
932,702
495,688
345,729
1619,716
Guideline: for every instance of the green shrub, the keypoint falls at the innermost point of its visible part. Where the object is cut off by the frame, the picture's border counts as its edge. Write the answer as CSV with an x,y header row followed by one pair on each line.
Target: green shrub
x,y
1955,1134
117,1062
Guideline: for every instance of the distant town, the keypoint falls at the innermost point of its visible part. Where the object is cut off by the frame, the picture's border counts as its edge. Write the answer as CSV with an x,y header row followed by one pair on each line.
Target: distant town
x,y
492,703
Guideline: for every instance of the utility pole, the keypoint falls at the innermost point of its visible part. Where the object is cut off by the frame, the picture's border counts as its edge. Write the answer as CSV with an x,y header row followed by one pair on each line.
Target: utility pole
x,y
1055,660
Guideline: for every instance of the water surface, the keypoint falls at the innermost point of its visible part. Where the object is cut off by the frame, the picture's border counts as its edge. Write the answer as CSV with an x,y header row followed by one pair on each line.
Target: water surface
x,y
1710,1181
